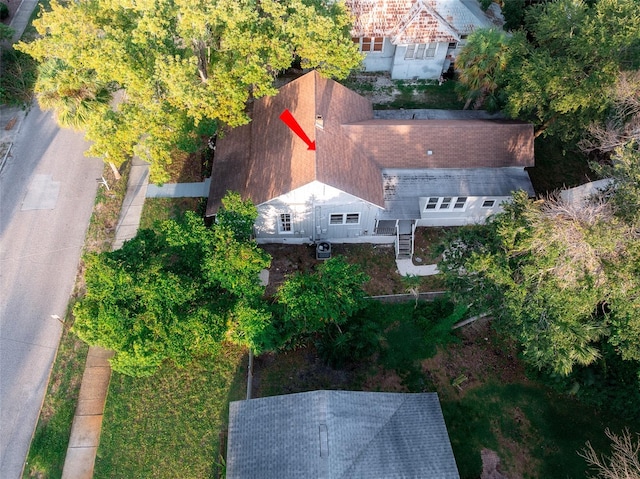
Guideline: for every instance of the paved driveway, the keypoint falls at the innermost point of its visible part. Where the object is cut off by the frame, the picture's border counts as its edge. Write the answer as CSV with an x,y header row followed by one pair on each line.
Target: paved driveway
x,y
47,191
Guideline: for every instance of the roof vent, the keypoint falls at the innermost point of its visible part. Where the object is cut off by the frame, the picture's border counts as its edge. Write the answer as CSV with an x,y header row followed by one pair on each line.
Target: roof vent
x,y
320,121
429,152
324,440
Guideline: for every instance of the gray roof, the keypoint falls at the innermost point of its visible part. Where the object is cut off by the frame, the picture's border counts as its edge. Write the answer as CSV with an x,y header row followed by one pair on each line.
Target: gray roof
x,y
402,188
339,434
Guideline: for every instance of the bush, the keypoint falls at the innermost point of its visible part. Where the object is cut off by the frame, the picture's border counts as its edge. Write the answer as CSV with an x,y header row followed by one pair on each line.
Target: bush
x,y
4,11
485,4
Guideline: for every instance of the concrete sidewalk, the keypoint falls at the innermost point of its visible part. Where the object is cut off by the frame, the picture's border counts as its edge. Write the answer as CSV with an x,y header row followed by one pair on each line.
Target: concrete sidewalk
x,y
87,422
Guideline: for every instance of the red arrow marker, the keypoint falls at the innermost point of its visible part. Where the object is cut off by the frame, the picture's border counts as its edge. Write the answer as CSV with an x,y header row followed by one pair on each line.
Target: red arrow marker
x,y
291,122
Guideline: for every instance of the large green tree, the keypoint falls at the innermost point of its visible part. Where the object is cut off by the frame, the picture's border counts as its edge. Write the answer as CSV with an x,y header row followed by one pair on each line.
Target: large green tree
x,y
560,278
561,71
177,67
312,302
174,293
481,63
558,71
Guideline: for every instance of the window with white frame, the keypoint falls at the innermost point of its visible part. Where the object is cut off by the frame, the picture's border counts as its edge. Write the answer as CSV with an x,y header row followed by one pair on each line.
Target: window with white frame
x,y
369,44
488,203
419,51
284,225
453,45
344,219
445,203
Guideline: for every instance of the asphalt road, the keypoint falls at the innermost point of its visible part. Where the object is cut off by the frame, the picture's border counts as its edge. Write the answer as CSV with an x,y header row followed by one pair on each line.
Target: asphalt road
x,y
47,191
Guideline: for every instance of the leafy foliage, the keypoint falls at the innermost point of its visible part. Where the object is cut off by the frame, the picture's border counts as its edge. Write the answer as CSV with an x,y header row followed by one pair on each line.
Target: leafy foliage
x,y
237,215
558,71
175,68
481,63
328,297
556,278
576,52
176,293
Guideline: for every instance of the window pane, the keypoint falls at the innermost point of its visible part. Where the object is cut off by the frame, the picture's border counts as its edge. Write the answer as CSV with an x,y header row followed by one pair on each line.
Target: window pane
x,y
453,45
377,44
285,222
431,50
335,219
431,203
460,201
409,54
446,202
353,218
366,44
488,203
420,51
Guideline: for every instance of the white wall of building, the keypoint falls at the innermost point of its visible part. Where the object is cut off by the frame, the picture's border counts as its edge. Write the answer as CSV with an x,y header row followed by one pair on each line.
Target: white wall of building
x,y
426,68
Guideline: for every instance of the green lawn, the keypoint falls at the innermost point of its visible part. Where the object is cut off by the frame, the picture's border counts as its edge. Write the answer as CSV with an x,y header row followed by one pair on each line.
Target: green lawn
x,y
535,431
172,424
49,444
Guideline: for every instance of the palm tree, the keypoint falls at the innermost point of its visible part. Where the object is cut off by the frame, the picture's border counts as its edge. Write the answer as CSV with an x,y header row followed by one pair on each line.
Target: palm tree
x,y
480,63
75,96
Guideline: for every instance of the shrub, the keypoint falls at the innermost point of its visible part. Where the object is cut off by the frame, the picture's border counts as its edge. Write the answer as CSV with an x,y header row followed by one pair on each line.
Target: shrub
x,y
4,11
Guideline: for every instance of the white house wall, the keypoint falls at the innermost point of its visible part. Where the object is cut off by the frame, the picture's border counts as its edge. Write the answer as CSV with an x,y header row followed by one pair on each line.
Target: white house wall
x,y
473,212
427,68
310,208
380,61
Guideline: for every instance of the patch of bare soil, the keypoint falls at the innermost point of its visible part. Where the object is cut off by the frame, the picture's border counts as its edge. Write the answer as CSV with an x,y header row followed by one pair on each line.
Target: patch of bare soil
x,y
425,244
377,261
479,356
490,463
186,167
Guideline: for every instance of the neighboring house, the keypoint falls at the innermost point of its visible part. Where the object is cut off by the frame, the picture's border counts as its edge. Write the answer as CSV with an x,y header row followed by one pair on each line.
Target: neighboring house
x,y
368,180
413,38
339,435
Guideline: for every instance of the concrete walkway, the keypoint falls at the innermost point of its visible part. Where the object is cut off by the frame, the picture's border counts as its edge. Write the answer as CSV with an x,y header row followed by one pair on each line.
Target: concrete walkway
x,y
180,190
406,267
87,422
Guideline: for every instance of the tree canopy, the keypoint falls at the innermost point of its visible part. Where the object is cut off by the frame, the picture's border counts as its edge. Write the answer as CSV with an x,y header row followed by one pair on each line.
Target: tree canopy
x,y
560,278
558,71
175,68
174,293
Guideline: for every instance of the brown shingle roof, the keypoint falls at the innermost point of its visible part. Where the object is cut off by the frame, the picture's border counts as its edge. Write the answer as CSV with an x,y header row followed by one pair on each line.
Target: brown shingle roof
x,y
453,143
265,159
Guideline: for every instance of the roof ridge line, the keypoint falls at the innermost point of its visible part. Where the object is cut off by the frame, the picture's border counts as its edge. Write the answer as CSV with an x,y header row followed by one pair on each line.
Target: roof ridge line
x,y
382,427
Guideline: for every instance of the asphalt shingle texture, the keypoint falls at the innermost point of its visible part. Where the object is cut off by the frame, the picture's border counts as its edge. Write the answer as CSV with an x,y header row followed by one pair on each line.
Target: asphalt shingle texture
x,y
339,434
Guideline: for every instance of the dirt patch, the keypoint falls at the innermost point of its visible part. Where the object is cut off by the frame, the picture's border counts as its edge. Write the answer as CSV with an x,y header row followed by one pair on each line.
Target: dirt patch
x,y
479,356
490,463
425,244
298,371
377,261
186,167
